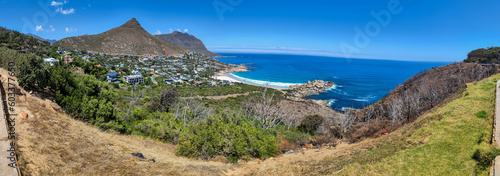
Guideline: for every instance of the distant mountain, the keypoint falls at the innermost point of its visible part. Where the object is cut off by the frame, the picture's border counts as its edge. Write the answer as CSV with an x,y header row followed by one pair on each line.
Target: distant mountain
x,y
188,42
40,38
130,39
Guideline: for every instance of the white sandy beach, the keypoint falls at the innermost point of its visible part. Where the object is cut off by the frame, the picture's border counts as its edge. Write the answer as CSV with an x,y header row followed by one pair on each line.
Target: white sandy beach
x,y
226,77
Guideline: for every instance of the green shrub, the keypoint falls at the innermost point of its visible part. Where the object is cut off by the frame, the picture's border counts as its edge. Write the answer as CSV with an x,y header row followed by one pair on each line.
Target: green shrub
x,y
484,154
219,136
310,124
295,137
481,114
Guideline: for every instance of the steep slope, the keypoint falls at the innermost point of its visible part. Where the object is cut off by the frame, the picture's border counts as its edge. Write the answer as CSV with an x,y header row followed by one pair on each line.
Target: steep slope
x,y
451,139
16,40
187,41
130,39
49,142
415,96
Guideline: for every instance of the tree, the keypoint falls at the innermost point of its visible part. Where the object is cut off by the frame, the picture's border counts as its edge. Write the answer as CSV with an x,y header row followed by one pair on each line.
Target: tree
x,y
148,81
310,124
168,97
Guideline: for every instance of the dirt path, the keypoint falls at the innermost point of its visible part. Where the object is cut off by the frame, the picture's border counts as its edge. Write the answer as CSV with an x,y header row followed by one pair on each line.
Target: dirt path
x,y
221,96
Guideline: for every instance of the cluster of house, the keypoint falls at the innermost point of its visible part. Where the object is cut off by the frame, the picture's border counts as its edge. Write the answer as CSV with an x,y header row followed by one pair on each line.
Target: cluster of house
x,y
181,69
65,59
130,79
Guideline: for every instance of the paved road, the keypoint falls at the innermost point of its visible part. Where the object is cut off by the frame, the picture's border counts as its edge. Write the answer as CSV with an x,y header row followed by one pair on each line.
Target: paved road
x,y
5,154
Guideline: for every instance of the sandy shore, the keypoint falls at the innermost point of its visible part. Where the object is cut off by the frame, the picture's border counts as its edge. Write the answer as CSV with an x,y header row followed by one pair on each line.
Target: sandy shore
x,y
226,77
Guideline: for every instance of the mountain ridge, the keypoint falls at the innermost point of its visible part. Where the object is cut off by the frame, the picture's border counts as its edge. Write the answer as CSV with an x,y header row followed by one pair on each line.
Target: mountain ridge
x,y
129,38
51,41
186,41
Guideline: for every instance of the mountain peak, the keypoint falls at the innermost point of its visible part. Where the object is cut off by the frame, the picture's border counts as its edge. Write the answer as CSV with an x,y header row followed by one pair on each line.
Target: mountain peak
x,y
132,23
130,39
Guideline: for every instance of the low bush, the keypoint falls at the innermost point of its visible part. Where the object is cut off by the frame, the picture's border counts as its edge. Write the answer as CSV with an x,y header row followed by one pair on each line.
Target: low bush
x,y
310,124
484,154
481,114
219,136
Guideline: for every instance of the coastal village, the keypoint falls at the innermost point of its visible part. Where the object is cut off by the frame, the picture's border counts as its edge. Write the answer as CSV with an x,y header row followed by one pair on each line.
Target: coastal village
x,y
192,69
186,69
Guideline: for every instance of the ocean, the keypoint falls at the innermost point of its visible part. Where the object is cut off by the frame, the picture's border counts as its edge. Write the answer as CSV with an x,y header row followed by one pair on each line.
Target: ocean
x,y
359,82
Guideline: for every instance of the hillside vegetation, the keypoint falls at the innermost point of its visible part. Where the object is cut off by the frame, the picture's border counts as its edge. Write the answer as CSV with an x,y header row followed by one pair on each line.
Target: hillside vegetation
x,y
18,41
486,56
451,139
128,39
413,98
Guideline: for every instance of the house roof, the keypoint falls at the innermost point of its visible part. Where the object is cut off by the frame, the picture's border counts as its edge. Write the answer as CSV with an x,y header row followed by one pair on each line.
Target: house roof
x,y
112,74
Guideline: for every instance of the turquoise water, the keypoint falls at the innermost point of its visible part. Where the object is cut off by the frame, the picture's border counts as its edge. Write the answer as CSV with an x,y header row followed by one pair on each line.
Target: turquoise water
x,y
359,82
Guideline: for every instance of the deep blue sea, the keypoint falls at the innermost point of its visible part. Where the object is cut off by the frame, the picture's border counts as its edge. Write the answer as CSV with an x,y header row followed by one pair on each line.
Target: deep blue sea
x,y
359,82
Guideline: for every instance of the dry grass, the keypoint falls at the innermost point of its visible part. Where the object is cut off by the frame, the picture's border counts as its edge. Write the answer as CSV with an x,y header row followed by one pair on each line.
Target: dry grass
x,y
52,143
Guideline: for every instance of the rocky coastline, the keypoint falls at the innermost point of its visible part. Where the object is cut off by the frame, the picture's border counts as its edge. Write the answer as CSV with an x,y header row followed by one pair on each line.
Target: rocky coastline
x,y
231,69
314,87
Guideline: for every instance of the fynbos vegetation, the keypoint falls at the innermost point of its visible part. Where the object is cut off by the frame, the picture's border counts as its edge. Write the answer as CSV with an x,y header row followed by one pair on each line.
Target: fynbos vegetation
x,y
415,96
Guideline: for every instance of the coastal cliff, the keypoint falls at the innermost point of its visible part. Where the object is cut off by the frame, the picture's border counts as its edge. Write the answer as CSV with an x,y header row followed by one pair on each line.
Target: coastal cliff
x,y
315,87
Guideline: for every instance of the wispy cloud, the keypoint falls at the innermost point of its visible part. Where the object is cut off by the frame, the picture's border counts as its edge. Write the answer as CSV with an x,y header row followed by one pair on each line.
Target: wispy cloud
x,y
55,3
51,29
158,32
185,30
70,30
41,29
65,12
60,9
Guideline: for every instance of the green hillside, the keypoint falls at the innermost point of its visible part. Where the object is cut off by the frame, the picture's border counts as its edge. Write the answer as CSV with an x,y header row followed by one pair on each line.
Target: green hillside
x,y
453,139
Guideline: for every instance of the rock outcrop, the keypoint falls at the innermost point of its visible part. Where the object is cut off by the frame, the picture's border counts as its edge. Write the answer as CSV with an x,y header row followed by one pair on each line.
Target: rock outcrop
x,y
315,87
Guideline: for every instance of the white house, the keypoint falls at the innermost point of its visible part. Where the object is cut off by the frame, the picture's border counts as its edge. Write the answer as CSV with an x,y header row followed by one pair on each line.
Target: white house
x,y
134,79
50,61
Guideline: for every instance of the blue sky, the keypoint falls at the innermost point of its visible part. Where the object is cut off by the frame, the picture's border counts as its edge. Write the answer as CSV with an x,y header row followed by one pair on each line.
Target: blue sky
x,y
421,30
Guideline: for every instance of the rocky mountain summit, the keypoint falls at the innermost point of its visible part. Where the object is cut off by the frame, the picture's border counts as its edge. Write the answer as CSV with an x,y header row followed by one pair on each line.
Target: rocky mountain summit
x,y
315,87
129,39
188,42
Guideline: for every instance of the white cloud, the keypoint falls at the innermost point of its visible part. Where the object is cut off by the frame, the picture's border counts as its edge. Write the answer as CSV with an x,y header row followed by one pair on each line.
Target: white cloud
x,y
55,3
178,29
39,28
65,12
171,30
158,32
60,9
185,30
70,30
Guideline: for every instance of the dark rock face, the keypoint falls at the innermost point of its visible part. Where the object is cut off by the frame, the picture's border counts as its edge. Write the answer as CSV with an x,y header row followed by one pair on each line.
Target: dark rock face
x,y
188,42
